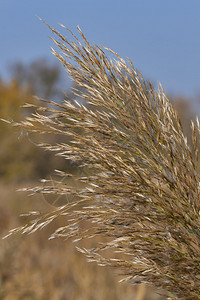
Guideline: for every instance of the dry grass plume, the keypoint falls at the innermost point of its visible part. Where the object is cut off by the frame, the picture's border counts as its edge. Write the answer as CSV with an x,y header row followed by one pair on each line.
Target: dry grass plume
x,y
140,179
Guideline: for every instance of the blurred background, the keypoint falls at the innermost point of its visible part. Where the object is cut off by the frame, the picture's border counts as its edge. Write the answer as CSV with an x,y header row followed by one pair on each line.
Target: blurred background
x,y
162,38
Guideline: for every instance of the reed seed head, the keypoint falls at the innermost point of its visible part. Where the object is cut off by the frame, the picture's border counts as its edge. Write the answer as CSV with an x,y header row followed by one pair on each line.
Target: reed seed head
x,y
139,177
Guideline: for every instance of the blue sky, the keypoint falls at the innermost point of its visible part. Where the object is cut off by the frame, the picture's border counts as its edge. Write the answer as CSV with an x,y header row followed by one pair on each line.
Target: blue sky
x,y
162,38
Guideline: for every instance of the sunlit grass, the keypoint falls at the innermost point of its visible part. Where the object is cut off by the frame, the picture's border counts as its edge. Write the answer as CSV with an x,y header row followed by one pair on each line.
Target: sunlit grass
x,y
140,176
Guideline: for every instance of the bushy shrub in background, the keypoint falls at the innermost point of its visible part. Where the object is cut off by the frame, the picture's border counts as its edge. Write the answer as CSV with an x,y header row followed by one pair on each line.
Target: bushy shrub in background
x,y
21,160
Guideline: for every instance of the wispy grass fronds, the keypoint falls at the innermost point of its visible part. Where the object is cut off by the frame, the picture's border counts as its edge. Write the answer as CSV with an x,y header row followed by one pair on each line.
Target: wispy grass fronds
x,y
142,182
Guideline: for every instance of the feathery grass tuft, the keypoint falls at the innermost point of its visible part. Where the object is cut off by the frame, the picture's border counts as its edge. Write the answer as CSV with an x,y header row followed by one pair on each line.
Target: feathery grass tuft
x,y
141,187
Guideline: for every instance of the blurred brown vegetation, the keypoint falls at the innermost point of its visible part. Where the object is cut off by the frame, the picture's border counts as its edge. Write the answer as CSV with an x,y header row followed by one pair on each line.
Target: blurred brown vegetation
x,y
21,159
33,267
